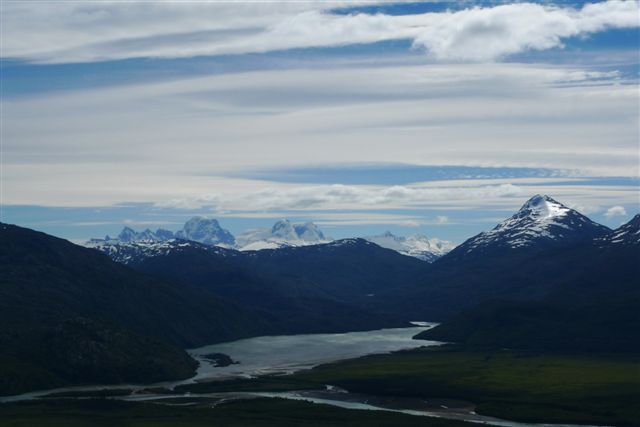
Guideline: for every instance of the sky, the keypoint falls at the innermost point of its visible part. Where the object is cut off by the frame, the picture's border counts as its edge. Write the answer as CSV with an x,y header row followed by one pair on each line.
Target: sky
x,y
437,118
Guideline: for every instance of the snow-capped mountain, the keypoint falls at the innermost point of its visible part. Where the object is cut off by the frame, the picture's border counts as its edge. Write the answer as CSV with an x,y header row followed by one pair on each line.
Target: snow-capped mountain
x,y
541,221
415,245
129,235
197,229
626,235
206,231
136,251
283,234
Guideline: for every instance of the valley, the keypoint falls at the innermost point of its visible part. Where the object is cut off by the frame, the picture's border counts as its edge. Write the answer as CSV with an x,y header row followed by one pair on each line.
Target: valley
x,y
319,213
162,327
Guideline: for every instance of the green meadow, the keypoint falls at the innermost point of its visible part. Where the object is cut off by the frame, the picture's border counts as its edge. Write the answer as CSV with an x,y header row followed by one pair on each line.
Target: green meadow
x,y
250,413
522,386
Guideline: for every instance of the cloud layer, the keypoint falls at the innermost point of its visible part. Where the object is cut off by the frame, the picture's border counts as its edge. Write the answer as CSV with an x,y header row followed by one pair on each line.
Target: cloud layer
x,y
341,197
159,141
75,31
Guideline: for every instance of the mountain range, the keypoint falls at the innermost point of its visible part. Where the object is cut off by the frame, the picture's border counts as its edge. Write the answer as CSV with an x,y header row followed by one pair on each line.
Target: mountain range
x,y
282,234
545,278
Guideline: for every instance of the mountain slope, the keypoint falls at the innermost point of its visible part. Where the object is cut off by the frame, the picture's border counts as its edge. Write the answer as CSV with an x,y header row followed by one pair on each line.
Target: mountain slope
x,y
53,289
594,304
541,223
355,271
319,288
515,261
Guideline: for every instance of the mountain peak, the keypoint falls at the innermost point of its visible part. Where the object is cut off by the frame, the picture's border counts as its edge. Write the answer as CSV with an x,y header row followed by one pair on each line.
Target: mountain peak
x,y
542,207
205,230
127,234
415,245
282,234
540,221
626,234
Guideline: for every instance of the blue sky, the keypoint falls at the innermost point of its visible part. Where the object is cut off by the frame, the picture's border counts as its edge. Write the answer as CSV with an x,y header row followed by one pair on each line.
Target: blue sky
x,y
433,117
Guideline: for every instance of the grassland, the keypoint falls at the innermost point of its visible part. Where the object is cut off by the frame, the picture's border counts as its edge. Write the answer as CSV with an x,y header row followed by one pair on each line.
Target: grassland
x,y
253,413
521,386
267,383
507,384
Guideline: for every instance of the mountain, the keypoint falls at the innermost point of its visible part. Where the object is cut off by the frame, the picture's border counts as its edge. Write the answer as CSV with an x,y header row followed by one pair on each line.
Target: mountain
x,y
626,235
593,304
415,245
206,231
516,260
197,229
541,222
304,289
282,234
354,271
134,252
128,235
58,299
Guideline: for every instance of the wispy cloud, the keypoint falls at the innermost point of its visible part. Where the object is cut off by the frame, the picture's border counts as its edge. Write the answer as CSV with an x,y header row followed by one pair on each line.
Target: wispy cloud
x,y
152,142
75,31
340,197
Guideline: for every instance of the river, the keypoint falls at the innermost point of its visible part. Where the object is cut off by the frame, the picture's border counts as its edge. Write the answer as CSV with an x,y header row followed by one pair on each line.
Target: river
x,y
290,353
279,354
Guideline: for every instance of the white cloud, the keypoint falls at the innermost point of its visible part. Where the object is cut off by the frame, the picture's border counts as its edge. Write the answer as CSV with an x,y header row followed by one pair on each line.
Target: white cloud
x,y
159,141
341,197
615,211
486,34
74,31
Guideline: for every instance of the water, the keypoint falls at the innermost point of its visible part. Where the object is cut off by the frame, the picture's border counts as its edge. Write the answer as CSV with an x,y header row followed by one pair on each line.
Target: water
x,y
276,354
289,353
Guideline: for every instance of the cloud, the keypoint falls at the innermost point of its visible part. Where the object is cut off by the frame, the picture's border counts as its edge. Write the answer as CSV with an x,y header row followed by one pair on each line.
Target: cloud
x,y
74,31
615,211
340,197
156,141
486,34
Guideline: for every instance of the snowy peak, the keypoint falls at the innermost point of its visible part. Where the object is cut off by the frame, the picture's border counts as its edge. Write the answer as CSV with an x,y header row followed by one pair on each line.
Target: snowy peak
x,y
542,208
283,229
415,245
283,233
197,229
541,221
137,251
128,235
309,232
206,231
626,235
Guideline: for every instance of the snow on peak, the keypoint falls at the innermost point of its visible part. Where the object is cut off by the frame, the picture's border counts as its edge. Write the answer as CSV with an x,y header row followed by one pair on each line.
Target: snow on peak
x,y
283,233
626,234
206,231
415,245
544,207
309,232
540,219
